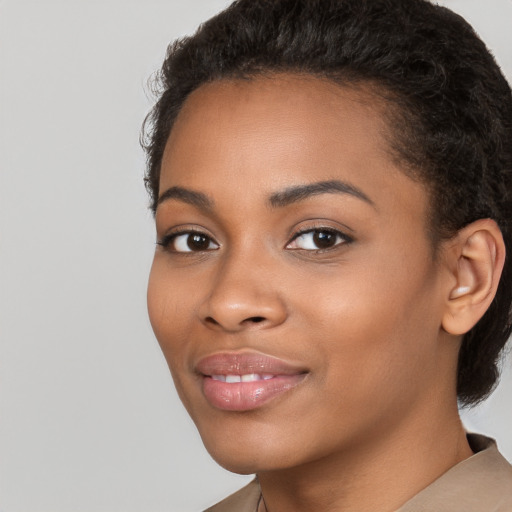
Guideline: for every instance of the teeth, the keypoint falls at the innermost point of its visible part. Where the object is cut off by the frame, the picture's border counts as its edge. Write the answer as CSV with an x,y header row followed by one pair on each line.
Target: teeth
x,y
248,377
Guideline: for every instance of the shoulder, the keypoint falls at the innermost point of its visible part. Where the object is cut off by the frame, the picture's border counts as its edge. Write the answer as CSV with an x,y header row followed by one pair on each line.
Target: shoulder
x,y
244,500
482,483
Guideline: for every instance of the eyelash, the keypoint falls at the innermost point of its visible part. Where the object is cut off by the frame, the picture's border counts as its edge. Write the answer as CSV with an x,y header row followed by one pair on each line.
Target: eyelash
x,y
341,239
168,240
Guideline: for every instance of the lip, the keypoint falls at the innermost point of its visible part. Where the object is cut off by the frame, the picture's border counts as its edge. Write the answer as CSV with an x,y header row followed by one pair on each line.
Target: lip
x,y
269,378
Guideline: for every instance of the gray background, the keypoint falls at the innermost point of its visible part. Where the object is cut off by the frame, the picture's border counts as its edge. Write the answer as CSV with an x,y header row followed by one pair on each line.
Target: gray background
x,y
89,420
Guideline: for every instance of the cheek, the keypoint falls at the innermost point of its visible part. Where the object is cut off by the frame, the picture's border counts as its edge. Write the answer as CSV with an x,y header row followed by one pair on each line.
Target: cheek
x,y
375,325
157,300
169,309
169,312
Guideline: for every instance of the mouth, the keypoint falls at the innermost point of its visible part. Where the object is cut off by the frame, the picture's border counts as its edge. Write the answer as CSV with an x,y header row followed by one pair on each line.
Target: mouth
x,y
247,377
246,381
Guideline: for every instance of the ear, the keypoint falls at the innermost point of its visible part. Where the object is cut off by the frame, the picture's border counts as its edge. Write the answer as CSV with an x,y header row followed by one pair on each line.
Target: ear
x,y
477,257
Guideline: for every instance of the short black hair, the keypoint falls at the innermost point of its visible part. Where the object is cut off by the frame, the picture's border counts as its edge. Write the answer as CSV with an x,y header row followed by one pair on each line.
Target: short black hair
x,y
450,112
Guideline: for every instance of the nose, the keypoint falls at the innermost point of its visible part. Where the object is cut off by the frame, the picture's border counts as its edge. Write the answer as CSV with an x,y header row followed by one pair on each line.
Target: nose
x,y
243,296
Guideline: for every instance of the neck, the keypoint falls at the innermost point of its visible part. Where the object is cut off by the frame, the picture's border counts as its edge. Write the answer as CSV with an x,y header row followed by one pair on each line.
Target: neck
x,y
382,474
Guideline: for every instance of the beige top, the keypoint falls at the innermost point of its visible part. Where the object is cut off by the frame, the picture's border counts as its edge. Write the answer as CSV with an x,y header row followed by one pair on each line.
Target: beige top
x,y
482,483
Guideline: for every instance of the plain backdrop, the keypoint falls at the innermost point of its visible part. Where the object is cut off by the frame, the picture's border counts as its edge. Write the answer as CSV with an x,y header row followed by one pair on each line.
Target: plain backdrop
x,y
89,419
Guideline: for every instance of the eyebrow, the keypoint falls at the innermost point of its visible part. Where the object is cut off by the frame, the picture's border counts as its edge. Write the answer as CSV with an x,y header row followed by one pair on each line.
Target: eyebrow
x,y
197,199
301,192
277,200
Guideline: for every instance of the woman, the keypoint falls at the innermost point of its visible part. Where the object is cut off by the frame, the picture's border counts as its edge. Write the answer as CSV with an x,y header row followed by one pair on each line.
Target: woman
x,y
331,182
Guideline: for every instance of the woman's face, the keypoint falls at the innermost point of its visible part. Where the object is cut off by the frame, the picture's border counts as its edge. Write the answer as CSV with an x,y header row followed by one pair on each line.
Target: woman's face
x,y
294,293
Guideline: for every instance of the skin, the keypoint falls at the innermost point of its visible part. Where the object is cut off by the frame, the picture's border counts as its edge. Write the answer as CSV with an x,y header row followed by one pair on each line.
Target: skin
x,y
363,318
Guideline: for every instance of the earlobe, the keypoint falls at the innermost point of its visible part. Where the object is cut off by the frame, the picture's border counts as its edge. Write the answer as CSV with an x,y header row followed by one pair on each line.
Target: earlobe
x,y
479,253
460,292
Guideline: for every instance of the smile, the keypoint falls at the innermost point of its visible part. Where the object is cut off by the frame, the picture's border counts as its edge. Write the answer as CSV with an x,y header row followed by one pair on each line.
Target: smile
x,y
248,377
246,381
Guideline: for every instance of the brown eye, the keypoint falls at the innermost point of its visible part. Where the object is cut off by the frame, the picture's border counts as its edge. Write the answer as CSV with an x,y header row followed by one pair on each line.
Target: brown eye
x,y
324,239
190,241
318,239
197,242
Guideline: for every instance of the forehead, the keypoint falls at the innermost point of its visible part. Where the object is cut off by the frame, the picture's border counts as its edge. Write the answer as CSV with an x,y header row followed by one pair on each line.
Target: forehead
x,y
280,112
260,135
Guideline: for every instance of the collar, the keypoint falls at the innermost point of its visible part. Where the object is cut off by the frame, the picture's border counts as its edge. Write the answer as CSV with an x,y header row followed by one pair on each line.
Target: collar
x,y
481,482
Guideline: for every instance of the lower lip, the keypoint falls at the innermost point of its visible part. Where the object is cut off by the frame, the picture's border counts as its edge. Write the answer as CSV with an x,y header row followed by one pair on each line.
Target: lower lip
x,y
246,396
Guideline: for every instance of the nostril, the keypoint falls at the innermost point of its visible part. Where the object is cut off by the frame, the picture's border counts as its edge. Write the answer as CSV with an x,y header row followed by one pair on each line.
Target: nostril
x,y
234,324
256,319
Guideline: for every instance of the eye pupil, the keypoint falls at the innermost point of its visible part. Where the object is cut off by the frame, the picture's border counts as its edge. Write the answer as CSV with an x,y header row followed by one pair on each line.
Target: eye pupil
x,y
198,242
324,239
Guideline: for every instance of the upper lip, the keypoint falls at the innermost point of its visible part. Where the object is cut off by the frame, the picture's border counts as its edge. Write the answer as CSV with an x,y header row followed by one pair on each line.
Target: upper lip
x,y
242,363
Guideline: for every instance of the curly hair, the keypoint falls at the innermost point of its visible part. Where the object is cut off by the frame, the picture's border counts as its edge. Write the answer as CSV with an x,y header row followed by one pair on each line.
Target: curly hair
x,y
450,111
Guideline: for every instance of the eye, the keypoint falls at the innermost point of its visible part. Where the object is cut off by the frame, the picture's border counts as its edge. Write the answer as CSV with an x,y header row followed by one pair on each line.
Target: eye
x,y
318,239
189,241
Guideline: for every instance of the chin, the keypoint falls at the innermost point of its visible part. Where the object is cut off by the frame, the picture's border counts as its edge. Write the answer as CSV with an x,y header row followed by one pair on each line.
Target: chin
x,y
236,464
260,447
247,450
246,463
